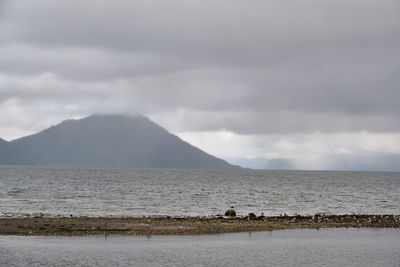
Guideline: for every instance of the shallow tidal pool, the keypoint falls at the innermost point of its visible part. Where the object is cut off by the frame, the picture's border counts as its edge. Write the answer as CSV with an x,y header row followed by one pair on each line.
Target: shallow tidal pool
x,y
325,247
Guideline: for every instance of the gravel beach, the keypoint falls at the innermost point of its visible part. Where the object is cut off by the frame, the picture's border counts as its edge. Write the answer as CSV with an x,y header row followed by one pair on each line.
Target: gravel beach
x,y
82,226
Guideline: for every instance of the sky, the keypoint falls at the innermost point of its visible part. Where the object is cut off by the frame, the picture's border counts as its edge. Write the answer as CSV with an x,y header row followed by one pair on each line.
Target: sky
x,y
309,84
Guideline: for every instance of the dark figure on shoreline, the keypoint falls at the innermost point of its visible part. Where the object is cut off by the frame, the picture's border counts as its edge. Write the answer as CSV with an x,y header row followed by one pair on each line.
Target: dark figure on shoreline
x,y
231,212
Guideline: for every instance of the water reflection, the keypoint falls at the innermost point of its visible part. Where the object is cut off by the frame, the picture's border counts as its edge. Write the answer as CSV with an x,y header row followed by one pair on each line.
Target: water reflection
x,y
329,247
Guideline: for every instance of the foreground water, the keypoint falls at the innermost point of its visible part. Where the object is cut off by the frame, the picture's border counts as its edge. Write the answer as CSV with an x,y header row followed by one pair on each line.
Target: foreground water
x,y
149,192
328,247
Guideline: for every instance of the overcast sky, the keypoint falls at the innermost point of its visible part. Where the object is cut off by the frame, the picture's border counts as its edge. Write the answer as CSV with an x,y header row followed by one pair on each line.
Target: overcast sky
x,y
315,83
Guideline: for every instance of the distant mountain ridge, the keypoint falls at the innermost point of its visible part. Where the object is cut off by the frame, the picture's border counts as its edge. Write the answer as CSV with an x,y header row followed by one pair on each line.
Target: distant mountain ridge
x,y
108,141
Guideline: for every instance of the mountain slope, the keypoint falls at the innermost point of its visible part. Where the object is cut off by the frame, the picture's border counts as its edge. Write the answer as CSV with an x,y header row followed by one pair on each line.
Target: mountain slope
x,y
11,155
5,151
114,141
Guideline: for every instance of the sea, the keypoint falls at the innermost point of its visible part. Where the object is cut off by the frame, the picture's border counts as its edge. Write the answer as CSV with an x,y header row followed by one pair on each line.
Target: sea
x,y
94,192
302,247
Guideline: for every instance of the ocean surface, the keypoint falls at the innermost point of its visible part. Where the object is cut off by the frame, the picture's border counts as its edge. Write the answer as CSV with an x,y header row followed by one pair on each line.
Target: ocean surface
x,y
46,191
325,247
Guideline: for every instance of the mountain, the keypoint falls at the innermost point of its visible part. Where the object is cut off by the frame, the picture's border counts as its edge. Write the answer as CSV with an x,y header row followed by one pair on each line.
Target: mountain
x,y
3,142
5,151
111,141
11,155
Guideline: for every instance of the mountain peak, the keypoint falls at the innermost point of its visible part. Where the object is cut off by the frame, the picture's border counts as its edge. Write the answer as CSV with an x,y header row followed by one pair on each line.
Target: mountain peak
x,y
109,140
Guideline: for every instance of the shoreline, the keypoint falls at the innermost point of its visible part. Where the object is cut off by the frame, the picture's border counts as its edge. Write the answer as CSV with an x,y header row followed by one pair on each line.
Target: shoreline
x,y
85,226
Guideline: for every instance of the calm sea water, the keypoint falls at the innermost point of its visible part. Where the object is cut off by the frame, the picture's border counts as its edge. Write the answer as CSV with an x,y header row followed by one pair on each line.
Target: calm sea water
x,y
328,247
152,192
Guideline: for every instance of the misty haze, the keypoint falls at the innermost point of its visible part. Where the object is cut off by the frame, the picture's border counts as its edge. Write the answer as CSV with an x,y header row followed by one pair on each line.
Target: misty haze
x,y
144,129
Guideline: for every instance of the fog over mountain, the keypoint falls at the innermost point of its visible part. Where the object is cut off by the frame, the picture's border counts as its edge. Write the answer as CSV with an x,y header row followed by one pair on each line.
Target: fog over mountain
x,y
108,141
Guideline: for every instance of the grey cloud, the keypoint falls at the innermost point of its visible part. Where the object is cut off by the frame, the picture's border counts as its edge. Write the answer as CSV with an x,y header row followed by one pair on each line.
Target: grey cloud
x,y
185,104
263,34
284,122
233,30
260,67
2,7
85,64
366,162
200,24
